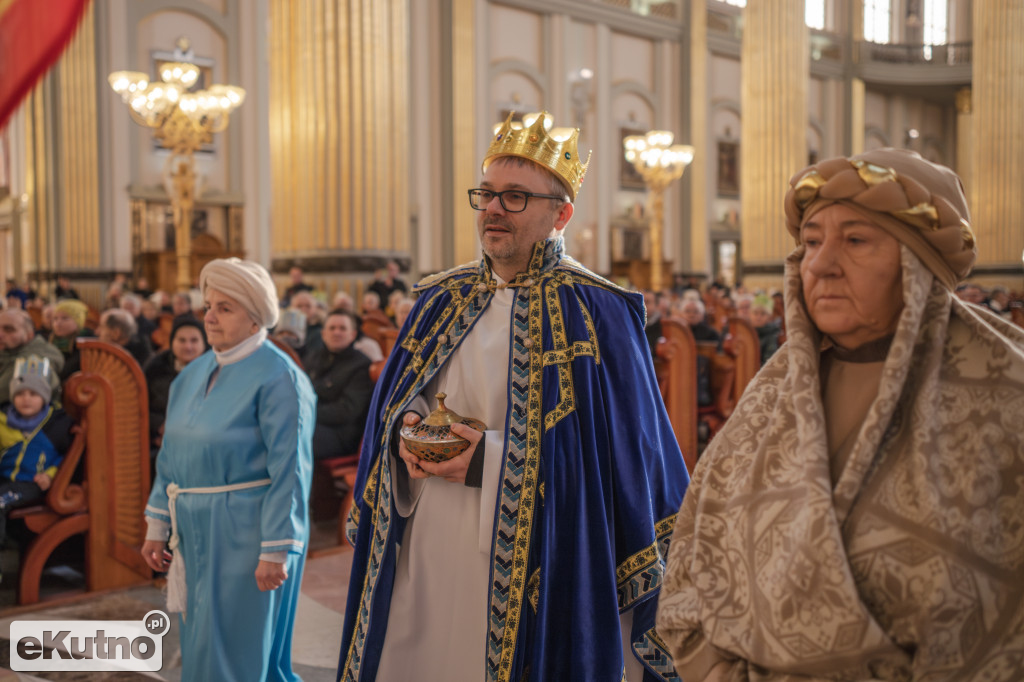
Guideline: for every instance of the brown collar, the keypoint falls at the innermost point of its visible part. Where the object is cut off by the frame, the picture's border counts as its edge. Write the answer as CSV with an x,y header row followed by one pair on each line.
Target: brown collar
x,y
872,351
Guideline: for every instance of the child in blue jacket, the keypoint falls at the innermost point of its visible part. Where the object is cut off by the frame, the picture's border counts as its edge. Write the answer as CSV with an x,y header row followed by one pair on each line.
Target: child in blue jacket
x,y
33,438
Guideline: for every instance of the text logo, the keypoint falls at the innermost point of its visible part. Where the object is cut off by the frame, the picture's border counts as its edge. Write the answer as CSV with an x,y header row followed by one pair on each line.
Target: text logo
x,y
89,645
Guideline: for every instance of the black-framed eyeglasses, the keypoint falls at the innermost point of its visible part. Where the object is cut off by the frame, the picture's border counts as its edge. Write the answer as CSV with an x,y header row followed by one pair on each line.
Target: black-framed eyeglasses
x,y
512,200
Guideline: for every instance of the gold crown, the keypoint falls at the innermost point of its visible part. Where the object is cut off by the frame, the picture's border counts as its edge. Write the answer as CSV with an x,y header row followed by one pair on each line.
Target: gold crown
x,y
533,139
32,366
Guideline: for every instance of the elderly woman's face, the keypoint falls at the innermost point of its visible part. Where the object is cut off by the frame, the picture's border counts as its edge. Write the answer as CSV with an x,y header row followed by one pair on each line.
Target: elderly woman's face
x,y
227,322
852,282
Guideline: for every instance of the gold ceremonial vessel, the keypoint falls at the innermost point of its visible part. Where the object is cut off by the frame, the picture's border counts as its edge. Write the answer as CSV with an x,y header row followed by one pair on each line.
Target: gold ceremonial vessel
x,y
432,438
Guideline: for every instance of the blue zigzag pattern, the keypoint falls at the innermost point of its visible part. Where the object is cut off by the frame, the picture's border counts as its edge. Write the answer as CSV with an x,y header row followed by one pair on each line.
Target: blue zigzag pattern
x,y
512,481
655,656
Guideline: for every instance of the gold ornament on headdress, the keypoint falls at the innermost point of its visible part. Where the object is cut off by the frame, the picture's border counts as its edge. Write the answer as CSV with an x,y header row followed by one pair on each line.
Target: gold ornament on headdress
x,y
923,216
534,139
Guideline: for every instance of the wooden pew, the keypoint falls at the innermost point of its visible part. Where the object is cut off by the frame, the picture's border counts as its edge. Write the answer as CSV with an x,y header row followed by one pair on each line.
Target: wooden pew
x,y
732,369
374,325
161,336
746,348
676,366
110,399
388,338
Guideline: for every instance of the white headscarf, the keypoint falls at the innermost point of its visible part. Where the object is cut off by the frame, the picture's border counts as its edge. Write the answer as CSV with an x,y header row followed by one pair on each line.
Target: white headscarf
x,y
248,283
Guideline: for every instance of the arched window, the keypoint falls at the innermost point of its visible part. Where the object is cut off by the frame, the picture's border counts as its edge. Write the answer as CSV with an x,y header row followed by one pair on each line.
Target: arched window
x,y
936,22
814,14
876,20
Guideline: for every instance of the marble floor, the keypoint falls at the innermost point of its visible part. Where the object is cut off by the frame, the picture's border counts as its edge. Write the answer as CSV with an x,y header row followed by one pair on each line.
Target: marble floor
x,y
316,638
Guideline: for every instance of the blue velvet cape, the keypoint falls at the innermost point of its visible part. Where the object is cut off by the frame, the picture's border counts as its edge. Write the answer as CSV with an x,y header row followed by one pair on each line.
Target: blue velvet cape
x,y
591,476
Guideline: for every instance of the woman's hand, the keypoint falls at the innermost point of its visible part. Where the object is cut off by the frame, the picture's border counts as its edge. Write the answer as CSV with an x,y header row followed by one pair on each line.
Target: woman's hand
x,y
43,480
454,469
270,575
156,555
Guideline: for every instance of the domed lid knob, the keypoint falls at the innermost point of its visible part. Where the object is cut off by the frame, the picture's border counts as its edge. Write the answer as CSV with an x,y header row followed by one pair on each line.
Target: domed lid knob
x,y
442,416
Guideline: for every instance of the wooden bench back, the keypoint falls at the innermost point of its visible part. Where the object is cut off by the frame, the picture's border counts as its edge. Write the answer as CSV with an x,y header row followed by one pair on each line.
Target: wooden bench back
x,y
110,396
746,348
161,336
676,367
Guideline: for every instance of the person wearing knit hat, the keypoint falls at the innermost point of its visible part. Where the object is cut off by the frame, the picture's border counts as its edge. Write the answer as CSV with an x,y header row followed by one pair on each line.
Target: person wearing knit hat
x,y
18,340
74,309
861,501
33,438
230,496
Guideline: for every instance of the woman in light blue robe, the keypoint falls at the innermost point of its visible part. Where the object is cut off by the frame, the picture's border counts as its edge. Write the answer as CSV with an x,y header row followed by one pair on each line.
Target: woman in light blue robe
x,y
234,473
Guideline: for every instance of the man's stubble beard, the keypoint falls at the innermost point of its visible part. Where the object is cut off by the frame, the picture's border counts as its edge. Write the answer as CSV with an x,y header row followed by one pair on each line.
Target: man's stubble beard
x,y
498,252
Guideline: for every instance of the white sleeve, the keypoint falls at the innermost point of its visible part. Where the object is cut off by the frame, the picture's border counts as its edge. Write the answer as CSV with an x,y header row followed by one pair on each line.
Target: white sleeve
x,y
407,490
494,444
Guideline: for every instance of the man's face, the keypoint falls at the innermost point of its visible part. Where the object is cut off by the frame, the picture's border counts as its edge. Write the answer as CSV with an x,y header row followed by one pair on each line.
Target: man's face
x,y
13,334
973,294
296,275
304,303
338,333
508,238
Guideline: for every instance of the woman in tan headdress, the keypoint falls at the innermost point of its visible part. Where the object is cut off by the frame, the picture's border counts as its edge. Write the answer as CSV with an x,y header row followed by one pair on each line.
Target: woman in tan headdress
x,y
231,493
861,515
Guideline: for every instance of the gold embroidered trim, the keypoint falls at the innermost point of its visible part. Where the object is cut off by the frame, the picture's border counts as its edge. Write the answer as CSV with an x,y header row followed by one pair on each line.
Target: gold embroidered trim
x,y
666,525
524,517
638,561
533,589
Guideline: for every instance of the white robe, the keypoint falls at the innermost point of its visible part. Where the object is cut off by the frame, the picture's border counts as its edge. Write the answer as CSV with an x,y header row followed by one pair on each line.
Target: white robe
x,y
437,625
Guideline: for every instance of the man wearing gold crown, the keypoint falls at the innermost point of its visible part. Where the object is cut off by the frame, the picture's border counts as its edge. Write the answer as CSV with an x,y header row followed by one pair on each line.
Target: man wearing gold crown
x,y
538,553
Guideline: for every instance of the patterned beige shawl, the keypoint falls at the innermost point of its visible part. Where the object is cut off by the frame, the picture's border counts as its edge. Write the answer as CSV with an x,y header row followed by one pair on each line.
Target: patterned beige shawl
x,y
912,567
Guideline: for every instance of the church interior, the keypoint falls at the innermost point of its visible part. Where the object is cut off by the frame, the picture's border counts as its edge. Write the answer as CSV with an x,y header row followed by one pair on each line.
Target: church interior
x,y
338,138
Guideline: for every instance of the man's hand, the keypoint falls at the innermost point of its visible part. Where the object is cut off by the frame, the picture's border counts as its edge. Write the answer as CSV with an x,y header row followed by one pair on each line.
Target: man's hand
x,y
42,480
455,469
412,462
156,555
270,575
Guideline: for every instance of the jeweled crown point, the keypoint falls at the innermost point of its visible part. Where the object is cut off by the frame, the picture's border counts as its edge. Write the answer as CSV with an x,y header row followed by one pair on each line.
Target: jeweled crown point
x,y
555,149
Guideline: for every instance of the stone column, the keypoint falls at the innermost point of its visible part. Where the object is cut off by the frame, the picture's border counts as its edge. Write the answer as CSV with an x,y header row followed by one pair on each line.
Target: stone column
x,y
964,138
461,97
775,71
997,152
701,147
339,138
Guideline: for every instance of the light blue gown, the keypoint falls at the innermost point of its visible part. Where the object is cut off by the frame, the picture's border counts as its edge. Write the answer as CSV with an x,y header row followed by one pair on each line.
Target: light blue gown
x,y
256,422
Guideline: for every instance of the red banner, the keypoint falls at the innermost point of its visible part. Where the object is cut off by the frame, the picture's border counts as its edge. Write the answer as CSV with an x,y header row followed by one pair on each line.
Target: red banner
x,y
33,33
